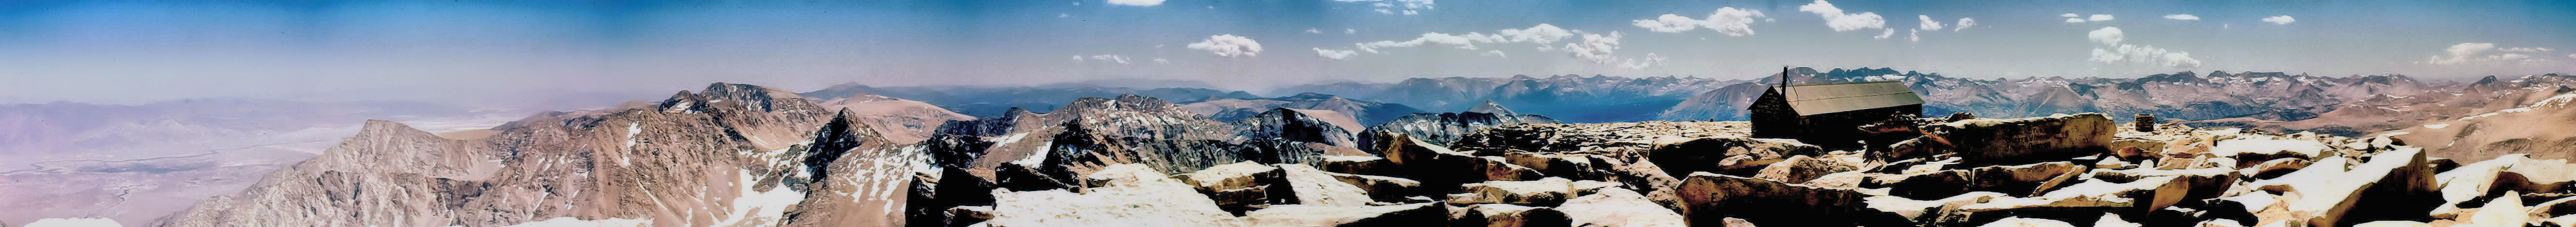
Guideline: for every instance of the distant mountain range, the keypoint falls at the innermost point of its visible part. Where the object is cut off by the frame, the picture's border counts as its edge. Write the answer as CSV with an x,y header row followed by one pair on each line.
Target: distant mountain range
x,y
1571,98
2184,95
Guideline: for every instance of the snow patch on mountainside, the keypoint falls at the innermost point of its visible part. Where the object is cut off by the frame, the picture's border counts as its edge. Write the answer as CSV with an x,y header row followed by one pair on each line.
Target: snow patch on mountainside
x,y
755,205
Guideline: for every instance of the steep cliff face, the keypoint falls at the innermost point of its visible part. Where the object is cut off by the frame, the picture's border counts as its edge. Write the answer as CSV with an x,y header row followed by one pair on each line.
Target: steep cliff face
x,y
721,156
857,178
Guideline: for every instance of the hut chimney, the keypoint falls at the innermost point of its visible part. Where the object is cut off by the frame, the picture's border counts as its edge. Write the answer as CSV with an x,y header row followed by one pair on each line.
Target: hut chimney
x,y
2146,123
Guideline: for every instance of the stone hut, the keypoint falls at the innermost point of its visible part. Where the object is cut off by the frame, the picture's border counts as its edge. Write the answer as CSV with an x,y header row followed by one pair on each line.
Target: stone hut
x,y
1830,114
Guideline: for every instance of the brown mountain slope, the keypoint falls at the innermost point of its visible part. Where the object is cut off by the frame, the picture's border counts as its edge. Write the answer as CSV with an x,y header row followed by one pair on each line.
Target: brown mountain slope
x,y
723,156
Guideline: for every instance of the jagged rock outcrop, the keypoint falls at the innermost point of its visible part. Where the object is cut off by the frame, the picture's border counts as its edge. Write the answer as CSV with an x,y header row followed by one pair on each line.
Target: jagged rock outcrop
x,y
1543,192
857,177
1238,186
2019,140
1316,215
1440,129
1618,207
1301,131
1129,195
1092,133
1799,169
1708,198
1507,215
1741,156
1441,168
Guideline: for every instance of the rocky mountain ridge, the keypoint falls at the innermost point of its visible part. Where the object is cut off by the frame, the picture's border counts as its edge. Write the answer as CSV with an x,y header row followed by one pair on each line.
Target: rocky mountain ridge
x,y
723,156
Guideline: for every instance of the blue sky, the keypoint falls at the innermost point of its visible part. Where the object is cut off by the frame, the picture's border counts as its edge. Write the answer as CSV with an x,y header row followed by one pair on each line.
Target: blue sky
x,y
140,51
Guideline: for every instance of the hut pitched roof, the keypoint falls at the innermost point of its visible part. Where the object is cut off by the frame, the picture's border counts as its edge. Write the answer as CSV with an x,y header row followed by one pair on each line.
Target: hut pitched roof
x,y
1813,99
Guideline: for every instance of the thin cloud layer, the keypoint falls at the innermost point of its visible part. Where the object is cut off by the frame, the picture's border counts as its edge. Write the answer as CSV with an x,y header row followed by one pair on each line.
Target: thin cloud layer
x,y
2282,19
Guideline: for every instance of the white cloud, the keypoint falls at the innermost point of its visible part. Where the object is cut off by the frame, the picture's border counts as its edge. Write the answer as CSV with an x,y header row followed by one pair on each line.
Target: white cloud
x,y
1228,45
2461,52
1385,11
1927,23
2571,55
2182,17
1122,60
1077,58
1077,3
2526,49
1335,54
1347,31
2106,36
2099,17
1162,61
1727,20
2111,49
1835,18
1595,47
1914,35
1668,23
1541,34
2074,20
1964,23
1135,2
1467,41
1313,31
1883,35
2282,19
2069,15
1598,48
1063,15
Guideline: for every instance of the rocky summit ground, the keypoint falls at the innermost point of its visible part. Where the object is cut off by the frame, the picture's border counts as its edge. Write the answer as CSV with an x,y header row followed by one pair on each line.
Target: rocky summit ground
x,y
2061,170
